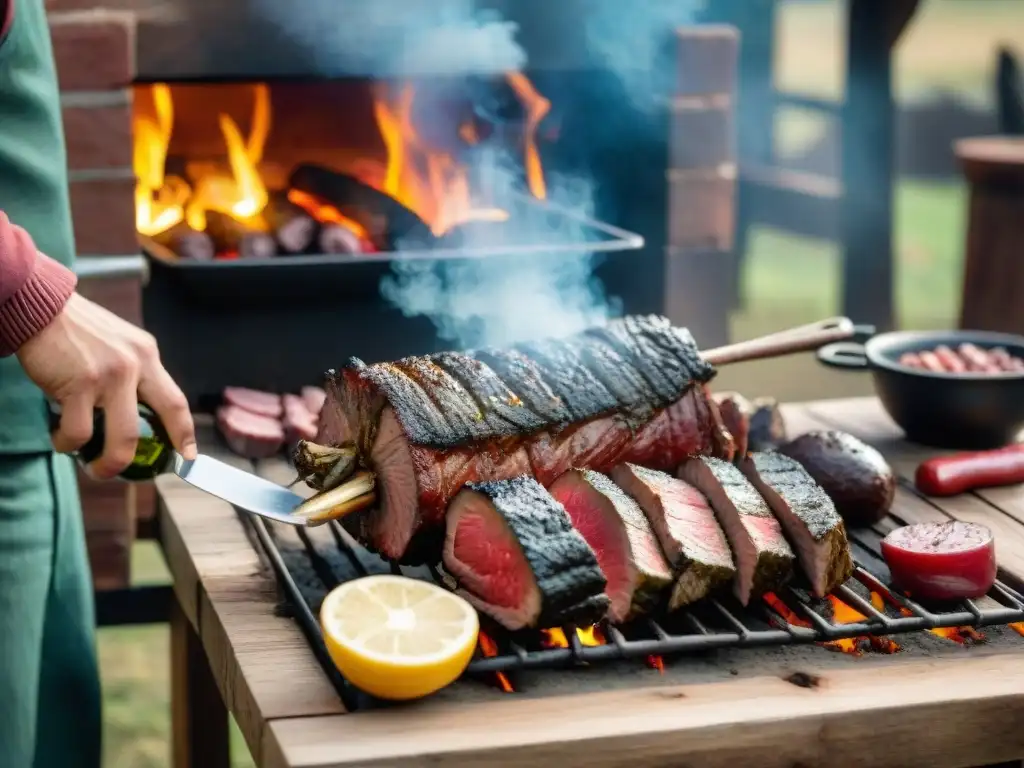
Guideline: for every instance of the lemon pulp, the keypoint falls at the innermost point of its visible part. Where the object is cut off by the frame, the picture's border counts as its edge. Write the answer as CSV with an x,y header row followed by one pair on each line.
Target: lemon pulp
x,y
398,638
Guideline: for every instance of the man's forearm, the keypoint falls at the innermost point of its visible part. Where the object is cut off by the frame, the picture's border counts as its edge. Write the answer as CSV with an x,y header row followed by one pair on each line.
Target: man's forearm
x,y
33,287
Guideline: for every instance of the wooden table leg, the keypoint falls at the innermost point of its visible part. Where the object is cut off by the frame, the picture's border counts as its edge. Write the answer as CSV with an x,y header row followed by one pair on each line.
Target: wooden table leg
x,y
199,719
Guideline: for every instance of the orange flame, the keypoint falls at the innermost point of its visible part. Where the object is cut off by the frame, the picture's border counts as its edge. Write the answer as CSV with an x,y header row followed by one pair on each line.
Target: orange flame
x,y
489,648
962,635
1018,627
536,108
656,662
158,200
426,180
842,614
555,637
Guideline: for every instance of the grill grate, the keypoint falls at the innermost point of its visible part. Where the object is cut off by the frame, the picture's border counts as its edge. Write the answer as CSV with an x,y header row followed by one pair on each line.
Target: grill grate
x,y
308,569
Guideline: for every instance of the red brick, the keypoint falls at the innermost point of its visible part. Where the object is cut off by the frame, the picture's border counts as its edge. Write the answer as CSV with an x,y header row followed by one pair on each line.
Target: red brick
x,y
94,50
702,208
121,295
703,132
706,57
104,216
98,137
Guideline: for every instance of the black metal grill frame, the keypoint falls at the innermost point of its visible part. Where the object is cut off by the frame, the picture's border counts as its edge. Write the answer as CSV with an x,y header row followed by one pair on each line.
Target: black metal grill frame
x,y
756,625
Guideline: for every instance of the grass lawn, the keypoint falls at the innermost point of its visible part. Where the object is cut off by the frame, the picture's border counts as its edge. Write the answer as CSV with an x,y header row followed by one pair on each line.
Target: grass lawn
x,y
788,280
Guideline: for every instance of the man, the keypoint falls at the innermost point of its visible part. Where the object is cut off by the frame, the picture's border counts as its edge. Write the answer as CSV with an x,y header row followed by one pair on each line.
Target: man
x,y
55,342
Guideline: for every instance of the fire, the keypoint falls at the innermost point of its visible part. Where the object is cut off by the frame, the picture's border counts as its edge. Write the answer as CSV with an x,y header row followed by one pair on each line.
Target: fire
x,y
656,662
1018,627
430,181
842,613
489,648
537,108
426,180
555,637
962,635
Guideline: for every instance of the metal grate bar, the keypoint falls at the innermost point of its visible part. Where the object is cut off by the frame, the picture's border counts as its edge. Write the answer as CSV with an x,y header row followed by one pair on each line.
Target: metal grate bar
x,y
717,622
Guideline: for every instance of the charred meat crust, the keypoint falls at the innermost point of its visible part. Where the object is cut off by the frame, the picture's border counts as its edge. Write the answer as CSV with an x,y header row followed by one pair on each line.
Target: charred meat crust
x,y
564,566
808,517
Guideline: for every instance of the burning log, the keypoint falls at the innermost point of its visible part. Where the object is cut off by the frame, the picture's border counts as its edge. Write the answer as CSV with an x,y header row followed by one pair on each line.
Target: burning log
x,y
295,230
386,221
335,238
186,242
231,235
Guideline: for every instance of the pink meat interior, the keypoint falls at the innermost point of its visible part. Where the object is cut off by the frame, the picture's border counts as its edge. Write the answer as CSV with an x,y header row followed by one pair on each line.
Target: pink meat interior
x,y
599,525
490,561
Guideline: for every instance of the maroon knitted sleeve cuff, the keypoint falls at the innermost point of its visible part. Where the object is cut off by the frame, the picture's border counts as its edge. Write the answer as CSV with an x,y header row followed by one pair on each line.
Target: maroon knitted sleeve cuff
x,y
39,300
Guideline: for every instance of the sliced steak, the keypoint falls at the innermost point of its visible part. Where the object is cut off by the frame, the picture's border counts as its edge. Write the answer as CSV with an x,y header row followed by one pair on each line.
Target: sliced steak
x,y
764,560
736,412
299,422
616,529
686,527
254,401
808,517
516,556
314,397
248,434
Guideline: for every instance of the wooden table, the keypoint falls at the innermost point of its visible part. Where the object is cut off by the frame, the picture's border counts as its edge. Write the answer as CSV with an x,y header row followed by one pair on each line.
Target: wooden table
x,y
230,649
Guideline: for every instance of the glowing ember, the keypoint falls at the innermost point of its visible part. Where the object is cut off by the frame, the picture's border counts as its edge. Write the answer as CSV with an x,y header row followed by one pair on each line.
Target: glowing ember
x,y
591,636
656,662
962,635
489,648
328,214
842,614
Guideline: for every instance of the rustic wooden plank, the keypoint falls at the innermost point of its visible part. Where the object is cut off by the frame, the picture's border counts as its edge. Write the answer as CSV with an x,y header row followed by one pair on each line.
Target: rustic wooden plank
x,y
1002,510
263,666
199,719
880,716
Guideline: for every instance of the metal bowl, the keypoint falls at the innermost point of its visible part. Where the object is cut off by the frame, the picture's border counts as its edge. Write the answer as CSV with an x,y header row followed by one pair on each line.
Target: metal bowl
x,y
967,411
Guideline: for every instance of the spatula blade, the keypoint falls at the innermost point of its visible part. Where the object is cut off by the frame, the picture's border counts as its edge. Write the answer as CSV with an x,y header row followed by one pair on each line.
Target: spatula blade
x,y
241,489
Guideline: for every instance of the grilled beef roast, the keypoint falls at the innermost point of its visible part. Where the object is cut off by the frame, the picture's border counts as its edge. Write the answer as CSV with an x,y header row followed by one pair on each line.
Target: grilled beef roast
x,y
686,527
616,529
764,559
516,556
808,517
855,476
427,426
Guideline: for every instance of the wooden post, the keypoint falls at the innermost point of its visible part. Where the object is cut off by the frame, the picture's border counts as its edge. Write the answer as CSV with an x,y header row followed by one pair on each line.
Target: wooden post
x,y
993,267
867,162
199,719
702,183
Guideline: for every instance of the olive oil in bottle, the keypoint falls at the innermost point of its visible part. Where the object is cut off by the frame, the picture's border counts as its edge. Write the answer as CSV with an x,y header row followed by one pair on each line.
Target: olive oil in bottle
x,y
153,453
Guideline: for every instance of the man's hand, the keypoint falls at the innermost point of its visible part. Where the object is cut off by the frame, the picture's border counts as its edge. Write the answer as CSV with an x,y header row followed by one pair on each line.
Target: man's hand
x,y
90,358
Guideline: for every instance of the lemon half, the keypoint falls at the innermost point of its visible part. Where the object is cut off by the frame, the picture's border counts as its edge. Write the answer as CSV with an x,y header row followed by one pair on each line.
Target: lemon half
x,y
398,638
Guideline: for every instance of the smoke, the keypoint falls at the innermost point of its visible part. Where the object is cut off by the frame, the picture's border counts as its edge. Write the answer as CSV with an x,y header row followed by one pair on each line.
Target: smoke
x,y
493,301
395,38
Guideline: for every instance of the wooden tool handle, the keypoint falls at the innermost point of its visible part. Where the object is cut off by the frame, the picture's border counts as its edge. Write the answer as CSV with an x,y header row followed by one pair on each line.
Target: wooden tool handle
x,y
801,339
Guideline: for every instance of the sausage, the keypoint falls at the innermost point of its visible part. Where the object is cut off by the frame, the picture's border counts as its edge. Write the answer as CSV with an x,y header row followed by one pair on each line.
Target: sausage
x,y
910,360
930,361
941,561
951,361
960,472
977,359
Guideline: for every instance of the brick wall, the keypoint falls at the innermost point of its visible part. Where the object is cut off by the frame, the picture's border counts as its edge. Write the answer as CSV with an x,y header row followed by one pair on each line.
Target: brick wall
x,y
702,182
94,48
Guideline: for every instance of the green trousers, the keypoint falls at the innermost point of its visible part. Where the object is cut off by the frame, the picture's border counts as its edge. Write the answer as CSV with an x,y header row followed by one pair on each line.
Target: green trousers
x,y
49,682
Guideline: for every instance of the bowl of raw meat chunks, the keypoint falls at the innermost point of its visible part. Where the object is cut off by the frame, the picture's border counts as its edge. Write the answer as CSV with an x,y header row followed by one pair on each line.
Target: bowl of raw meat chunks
x,y
947,389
